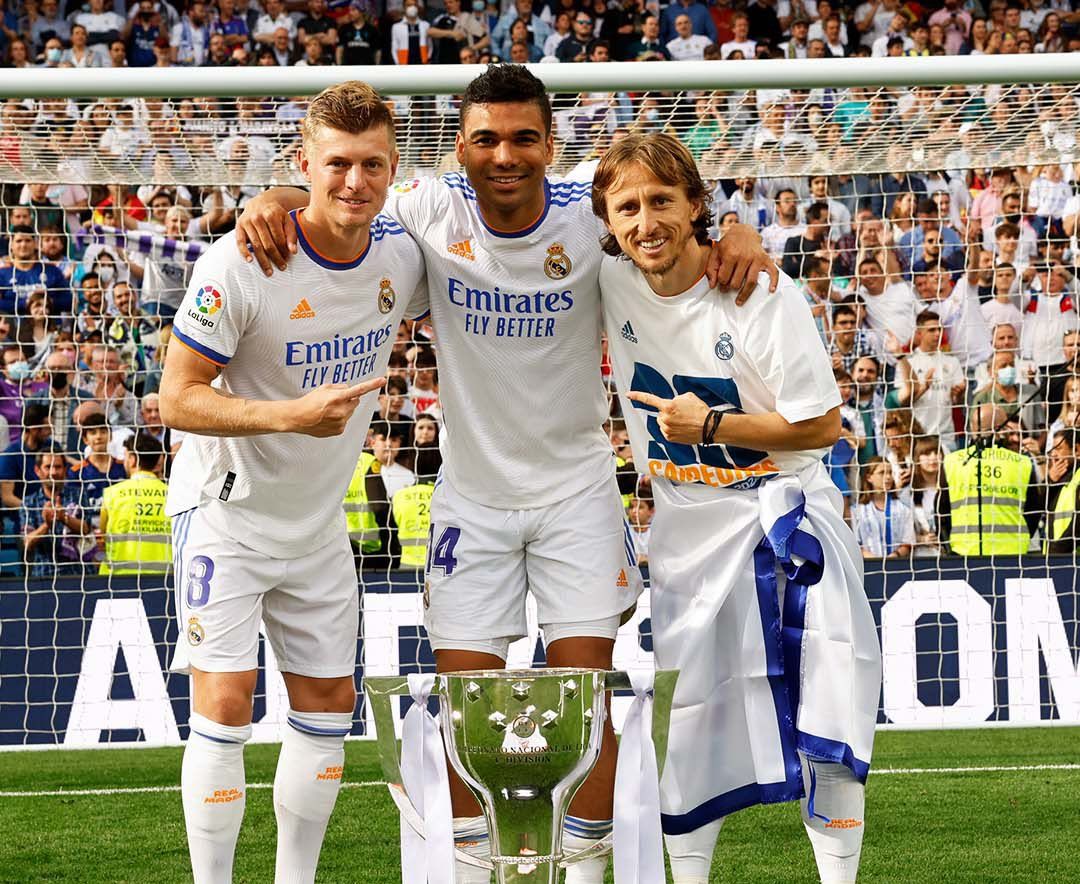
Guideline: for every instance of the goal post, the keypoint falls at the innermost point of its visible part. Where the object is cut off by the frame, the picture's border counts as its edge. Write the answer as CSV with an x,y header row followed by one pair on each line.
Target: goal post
x,y
967,642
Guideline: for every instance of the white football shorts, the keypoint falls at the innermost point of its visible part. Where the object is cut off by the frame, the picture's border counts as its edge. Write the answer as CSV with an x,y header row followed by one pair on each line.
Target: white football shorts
x,y
309,605
575,556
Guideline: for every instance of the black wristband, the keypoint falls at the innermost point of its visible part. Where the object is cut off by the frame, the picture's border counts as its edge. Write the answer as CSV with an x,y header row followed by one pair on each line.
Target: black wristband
x,y
709,427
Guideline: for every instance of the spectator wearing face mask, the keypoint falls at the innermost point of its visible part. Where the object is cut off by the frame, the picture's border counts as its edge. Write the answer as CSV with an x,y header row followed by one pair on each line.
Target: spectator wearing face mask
x,y
410,41
1009,391
62,399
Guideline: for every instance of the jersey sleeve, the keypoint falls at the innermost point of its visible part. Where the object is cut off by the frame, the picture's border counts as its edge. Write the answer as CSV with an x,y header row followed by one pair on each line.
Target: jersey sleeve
x,y
414,203
419,301
784,345
214,312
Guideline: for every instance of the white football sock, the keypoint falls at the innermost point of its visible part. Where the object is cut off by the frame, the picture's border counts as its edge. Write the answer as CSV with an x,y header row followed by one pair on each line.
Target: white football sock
x,y
306,787
836,827
212,787
691,854
471,837
579,834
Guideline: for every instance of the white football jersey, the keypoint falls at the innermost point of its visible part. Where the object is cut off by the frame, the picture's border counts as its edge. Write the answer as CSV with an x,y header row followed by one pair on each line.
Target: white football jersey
x,y
764,356
517,325
275,338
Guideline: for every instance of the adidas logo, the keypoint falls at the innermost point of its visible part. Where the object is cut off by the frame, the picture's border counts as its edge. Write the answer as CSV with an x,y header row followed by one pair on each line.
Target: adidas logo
x,y
462,249
303,310
622,582
628,332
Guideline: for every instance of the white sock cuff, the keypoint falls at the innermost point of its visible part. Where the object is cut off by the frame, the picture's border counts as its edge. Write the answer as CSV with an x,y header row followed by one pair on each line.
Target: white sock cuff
x,y
592,830
470,828
336,725
218,733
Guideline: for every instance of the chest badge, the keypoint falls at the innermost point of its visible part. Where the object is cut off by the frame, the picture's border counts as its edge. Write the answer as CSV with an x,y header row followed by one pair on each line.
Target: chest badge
x,y
557,264
724,349
386,295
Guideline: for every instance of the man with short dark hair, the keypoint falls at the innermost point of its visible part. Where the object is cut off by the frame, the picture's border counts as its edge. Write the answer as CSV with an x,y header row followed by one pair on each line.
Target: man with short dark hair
x,y
25,274
63,398
649,42
134,529
1062,501
785,224
847,342
52,521
17,476
575,46
812,242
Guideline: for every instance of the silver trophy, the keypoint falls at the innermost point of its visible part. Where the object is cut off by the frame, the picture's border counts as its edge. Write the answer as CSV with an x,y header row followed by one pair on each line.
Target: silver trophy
x,y
524,741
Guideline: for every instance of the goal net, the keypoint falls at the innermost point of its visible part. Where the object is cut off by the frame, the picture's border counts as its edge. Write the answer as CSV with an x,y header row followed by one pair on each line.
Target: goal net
x,y
927,207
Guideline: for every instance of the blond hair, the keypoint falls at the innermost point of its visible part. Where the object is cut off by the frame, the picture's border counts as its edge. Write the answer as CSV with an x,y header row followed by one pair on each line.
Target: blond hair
x,y
352,107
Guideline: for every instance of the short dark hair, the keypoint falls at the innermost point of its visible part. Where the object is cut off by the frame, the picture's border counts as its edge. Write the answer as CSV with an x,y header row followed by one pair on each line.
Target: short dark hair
x,y
148,450
48,451
817,212
782,191
843,310
396,385
35,414
428,462
23,228
506,84
926,316
93,421
926,207
1068,435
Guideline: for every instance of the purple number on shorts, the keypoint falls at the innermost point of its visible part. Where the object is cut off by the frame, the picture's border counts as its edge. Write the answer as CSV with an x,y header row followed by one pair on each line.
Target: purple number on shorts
x,y
199,574
442,555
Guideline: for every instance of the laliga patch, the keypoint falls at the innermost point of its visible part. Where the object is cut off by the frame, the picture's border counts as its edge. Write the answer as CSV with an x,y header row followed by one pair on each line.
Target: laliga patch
x,y
207,304
195,633
406,186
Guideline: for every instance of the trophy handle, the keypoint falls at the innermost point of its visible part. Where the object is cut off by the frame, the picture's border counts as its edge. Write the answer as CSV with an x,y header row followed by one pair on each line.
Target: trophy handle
x,y
663,695
380,691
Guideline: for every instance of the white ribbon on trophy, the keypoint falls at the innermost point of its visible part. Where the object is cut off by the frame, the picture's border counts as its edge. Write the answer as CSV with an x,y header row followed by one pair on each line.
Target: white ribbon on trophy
x,y
638,843
427,858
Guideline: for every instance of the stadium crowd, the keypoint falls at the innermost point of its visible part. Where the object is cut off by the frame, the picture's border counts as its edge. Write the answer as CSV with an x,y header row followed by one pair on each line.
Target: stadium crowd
x,y
947,299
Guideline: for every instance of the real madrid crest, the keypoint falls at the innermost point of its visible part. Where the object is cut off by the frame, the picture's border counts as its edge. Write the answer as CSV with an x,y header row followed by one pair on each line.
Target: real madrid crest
x,y
195,632
386,295
557,264
724,349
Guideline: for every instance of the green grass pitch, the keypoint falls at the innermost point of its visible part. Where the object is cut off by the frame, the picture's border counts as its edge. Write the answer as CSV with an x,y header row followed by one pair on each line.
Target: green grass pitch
x,y
948,827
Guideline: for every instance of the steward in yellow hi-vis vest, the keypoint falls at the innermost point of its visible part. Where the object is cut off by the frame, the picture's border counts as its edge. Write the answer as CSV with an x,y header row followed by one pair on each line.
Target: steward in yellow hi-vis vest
x,y
136,532
359,511
1063,465
410,508
992,494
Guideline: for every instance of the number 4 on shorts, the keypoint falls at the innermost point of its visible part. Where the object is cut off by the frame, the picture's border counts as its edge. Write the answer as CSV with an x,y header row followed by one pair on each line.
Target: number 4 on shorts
x,y
441,553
